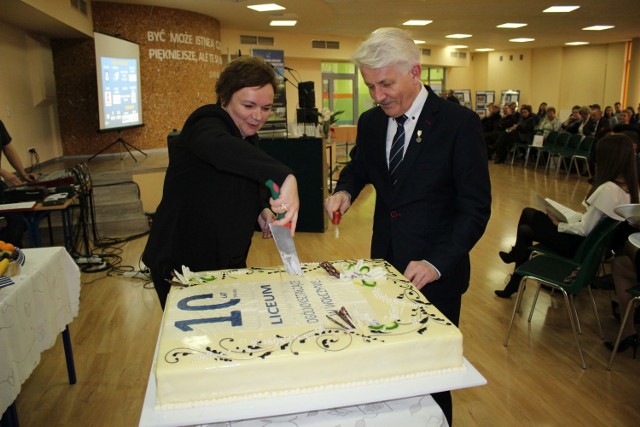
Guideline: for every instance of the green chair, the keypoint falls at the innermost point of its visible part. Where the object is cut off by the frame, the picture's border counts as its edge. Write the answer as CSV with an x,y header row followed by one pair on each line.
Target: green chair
x,y
554,272
603,224
582,153
556,147
549,141
635,292
526,146
541,249
567,152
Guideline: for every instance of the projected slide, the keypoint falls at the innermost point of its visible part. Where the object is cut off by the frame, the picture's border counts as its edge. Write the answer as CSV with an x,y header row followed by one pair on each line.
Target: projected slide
x,y
118,76
120,92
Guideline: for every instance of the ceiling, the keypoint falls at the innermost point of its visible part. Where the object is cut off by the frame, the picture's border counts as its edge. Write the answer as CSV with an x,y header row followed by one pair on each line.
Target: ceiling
x,y
357,18
333,19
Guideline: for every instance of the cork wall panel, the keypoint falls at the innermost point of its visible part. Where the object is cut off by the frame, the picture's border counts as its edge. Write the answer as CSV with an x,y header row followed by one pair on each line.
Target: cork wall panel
x,y
180,62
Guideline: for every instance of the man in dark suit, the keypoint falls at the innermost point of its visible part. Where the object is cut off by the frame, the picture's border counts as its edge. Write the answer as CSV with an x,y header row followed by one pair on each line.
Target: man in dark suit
x,y
427,222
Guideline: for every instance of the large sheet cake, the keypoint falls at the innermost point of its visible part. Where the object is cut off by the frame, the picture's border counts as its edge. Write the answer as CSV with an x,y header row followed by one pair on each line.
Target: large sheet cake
x,y
242,334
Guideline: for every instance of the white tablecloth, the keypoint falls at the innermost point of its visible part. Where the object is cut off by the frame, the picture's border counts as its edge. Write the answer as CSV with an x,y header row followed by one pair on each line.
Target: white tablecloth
x,y
417,411
42,302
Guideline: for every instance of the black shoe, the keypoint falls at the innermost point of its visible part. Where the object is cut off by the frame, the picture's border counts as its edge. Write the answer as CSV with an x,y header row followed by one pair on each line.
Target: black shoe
x,y
511,288
504,293
631,341
507,257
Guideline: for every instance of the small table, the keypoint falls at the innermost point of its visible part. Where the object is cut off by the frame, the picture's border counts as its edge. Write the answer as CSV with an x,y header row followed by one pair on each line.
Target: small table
x,y
41,303
33,215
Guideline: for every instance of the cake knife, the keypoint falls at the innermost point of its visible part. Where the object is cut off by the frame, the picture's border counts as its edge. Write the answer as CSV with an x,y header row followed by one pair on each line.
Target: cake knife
x,y
282,236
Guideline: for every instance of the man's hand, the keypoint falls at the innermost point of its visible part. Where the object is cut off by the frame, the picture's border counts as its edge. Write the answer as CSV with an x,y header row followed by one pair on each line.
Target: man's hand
x,y
341,201
421,273
12,180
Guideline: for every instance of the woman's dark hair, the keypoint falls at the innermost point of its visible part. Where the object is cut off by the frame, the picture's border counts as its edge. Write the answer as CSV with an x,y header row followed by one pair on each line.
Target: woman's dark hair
x,y
246,71
615,160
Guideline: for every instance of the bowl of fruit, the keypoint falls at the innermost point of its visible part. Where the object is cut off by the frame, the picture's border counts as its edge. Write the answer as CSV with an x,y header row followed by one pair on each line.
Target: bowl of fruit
x,y
11,259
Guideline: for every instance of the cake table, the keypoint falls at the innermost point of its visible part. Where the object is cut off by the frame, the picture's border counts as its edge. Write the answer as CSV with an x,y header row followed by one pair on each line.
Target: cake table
x,y
399,400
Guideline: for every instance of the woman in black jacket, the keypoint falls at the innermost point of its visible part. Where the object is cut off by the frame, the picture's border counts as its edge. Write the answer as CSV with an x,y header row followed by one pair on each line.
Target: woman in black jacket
x,y
214,189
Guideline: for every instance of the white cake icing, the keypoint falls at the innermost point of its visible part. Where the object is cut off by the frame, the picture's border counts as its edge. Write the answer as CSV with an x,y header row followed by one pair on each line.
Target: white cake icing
x,y
261,332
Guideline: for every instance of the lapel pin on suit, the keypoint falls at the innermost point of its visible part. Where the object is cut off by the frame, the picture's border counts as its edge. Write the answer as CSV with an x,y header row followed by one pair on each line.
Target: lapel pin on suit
x,y
419,138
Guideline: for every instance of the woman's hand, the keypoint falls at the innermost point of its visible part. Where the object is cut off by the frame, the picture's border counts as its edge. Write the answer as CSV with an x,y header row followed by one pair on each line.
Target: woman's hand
x,y
287,203
552,218
265,218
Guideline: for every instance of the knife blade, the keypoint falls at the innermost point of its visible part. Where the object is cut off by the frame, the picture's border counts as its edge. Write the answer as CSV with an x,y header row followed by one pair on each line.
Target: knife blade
x,y
282,236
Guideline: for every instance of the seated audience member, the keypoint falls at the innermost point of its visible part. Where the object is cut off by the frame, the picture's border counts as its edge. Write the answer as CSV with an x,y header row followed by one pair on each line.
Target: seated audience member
x,y
615,184
542,112
609,115
597,126
451,96
633,132
578,125
625,117
514,108
624,271
520,132
549,123
507,121
634,117
573,118
490,124
617,110
15,225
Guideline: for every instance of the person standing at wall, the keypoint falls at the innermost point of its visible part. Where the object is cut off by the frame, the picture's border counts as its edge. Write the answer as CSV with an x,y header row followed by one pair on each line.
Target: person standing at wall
x,y
427,161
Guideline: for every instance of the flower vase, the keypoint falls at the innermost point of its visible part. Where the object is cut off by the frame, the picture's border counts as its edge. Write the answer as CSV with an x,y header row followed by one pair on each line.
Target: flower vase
x,y
326,128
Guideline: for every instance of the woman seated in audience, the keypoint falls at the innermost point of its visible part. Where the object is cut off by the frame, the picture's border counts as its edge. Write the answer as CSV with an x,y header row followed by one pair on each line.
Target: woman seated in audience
x,y
572,119
624,271
520,132
610,115
615,184
507,121
549,123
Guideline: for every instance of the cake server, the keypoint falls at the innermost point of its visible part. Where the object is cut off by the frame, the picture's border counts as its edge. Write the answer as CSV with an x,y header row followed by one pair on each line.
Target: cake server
x,y
282,236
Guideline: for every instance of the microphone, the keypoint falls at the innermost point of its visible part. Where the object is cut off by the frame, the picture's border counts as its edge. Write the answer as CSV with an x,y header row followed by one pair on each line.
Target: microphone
x,y
282,75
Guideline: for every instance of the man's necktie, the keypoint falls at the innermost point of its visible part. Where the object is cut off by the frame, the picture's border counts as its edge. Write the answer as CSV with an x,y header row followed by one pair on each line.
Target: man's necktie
x,y
397,149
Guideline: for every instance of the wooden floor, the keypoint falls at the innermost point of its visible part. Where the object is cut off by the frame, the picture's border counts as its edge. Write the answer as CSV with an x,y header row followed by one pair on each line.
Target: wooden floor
x,y
536,381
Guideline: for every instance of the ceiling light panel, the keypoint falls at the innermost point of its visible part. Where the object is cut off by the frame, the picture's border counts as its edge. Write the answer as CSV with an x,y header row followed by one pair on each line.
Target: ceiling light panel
x,y
598,27
458,36
511,25
560,9
521,40
417,22
283,23
266,7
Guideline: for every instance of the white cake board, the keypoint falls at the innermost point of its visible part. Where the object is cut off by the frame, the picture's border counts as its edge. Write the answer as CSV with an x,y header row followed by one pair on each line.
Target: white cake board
x,y
340,397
